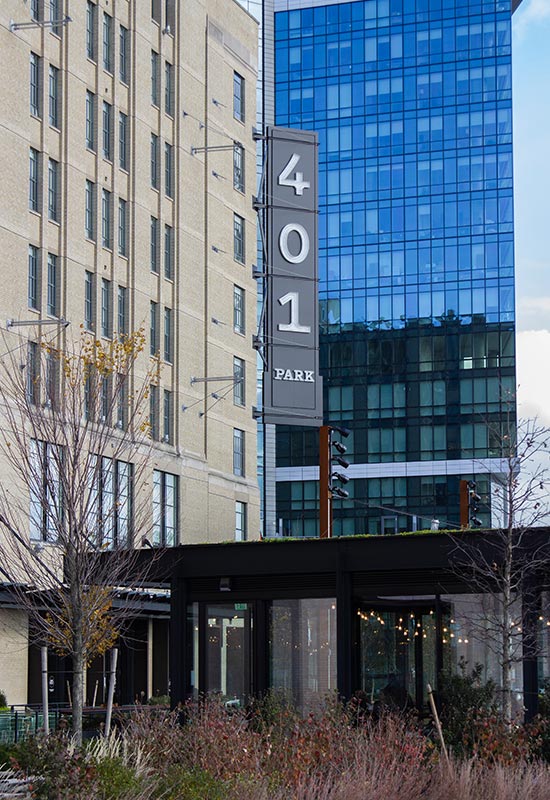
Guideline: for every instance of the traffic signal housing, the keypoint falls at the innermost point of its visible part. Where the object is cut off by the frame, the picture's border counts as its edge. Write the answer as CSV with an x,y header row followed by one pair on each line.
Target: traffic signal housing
x,y
469,505
331,453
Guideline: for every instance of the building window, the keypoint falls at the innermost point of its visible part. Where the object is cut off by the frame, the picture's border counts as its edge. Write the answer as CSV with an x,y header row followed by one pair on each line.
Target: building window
x,y
154,411
240,522
53,286
168,88
35,85
168,252
33,285
53,190
35,10
123,140
33,373
169,15
124,53
238,167
107,42
90,30
122,402
106,399
238,452
156,11
238,381
107,130
55,16
106,218
154,78
122,227
168,334
122,311
154,248
90,120
154,329
238,96
89,310
167,415
111,500
53,97
168,170
106,328
89,210
238,310
34,180
238,238
52,375
46,508
154,161
165,508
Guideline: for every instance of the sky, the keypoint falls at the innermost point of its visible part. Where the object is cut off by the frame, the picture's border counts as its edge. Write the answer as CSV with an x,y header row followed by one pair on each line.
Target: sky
x,y
531,86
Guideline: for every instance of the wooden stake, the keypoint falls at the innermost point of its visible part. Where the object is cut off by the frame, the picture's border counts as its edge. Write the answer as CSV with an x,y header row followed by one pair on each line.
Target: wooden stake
x,y
438,724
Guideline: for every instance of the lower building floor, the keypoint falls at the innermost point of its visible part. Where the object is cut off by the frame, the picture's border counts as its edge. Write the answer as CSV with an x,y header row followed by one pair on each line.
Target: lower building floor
x,y
376,617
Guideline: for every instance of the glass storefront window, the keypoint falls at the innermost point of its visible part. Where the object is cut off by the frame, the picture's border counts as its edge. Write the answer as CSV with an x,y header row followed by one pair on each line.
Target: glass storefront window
x,y
302,649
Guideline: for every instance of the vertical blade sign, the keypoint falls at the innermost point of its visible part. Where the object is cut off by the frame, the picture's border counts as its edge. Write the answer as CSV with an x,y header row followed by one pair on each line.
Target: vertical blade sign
x,y
292,385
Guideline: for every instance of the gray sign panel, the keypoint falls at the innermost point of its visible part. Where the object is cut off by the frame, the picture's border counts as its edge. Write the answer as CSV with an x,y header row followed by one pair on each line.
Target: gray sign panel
x,y
292,385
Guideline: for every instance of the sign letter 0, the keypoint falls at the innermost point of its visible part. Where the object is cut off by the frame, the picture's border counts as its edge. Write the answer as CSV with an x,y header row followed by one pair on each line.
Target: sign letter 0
x,y
304,243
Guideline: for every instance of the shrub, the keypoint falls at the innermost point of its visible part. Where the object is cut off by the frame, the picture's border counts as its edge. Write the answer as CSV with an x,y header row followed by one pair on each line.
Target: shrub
x,y
3,700
463,701
182,784
116,780
63,771
159,700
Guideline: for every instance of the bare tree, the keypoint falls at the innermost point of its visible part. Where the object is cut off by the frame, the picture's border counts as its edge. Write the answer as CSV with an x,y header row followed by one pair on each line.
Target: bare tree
x,y
75,442
505,563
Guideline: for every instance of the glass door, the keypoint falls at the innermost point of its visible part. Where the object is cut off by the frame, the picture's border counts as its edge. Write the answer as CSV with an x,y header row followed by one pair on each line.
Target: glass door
x,y
228,651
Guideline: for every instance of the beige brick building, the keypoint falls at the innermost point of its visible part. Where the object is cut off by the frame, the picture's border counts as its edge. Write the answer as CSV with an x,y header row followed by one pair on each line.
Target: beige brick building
x,y
127,175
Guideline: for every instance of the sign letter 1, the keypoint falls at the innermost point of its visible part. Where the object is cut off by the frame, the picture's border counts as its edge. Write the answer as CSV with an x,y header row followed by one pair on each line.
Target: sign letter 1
x,y
304,243
294,325
297,183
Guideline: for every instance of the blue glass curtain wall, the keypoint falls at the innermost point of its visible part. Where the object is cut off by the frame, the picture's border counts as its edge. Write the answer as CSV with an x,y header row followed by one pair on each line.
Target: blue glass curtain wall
x,y
413,107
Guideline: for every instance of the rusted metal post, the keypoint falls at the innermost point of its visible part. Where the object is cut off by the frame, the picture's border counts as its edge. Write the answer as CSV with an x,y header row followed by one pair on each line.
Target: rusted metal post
x,y
325,494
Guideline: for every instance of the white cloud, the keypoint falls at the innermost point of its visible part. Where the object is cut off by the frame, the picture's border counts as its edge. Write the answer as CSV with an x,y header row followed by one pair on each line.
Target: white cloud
x,y
533,304
533,374
530,12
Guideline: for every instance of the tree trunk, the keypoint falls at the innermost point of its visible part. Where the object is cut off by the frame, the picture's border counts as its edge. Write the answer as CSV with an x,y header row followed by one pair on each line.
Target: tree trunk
x,y
79,665
507,630
507,674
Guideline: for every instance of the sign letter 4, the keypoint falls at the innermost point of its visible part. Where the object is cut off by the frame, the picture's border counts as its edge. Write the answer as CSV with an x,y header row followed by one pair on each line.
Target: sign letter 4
x,y
294,325
297,183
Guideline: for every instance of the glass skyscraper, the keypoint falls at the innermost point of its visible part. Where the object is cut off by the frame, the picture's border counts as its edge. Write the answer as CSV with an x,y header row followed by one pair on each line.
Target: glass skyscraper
x,y
412,101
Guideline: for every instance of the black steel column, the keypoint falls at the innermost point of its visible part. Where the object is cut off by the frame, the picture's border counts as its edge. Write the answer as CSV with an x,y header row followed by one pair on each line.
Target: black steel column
x,y
344,633
260,656
531,604
179,668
